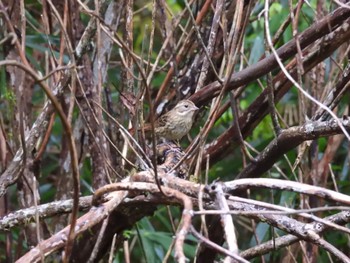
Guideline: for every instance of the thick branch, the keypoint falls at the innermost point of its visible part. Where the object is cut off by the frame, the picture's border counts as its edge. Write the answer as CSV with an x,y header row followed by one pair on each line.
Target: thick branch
x,y
24,216
259,108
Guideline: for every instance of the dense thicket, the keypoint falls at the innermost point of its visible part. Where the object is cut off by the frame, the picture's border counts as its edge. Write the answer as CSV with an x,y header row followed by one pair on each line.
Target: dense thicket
x,y
263,174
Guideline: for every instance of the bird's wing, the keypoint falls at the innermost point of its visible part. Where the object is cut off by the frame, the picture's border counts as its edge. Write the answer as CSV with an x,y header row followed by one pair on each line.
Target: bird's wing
x,y
162,120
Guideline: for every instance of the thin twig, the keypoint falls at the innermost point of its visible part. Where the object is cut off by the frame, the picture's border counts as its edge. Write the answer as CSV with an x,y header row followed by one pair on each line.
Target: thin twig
x,y
285,71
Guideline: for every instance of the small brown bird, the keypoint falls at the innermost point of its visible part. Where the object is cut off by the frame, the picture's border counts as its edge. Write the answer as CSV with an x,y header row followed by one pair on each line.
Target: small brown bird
x,y
174,124
177,122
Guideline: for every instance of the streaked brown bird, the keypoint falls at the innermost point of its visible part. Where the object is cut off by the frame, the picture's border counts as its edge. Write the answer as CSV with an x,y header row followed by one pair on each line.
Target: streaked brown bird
x,y
177,122
174,124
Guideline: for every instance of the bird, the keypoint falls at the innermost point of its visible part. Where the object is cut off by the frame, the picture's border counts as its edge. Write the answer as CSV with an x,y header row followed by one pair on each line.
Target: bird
x,y
177,122
174,124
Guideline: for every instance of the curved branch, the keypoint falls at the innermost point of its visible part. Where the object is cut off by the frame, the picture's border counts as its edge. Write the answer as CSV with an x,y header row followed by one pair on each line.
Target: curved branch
x,y
116,194
289,139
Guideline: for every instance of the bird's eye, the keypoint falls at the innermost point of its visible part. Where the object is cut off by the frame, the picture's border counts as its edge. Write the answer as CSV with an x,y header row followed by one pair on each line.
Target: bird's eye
x,y
186,106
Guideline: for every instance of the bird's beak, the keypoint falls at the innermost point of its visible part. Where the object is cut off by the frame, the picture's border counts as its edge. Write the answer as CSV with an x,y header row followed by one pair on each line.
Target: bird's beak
x,y
195,108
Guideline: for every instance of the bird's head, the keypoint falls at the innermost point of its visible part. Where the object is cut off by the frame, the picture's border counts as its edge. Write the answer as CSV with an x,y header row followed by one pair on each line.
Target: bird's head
x,y
185,108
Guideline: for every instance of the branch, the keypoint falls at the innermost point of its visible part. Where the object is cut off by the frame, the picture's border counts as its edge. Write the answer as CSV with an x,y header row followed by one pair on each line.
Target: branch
x,y
280,242
259,108
25,216
226,220
116,194
289,139
289,186
85,222
215,246
318,30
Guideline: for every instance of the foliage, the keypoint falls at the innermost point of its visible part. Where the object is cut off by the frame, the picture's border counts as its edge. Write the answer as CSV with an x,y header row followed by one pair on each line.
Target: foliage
x,y
123,64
